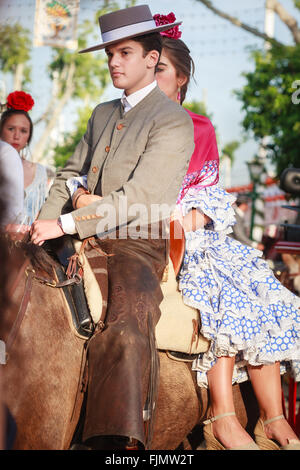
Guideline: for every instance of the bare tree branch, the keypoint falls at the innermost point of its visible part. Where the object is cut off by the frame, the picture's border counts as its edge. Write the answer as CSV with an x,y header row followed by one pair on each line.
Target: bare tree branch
x,y
18,76
40,147
286,17
237,22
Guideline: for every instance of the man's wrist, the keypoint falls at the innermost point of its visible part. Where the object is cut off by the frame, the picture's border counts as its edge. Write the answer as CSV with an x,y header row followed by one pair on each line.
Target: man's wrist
x,y
59,223
68,224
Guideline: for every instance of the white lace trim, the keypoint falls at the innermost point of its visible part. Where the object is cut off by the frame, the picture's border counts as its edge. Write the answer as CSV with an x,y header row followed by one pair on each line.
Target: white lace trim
x,y
74,183
212,253
222,256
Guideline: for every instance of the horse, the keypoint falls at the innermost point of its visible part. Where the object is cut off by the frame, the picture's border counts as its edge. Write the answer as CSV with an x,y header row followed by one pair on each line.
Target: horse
x,y
44,375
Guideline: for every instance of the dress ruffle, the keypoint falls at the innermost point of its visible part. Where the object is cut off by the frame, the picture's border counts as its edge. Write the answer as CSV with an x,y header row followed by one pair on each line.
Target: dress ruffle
x,y
74,183
35,195
245,311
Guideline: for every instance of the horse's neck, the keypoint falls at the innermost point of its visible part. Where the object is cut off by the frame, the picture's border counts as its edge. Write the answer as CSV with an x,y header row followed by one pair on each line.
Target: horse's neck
x,y
17,265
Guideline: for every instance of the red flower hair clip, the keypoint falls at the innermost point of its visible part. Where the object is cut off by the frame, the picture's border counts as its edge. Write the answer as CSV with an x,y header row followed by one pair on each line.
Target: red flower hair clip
x,y
20,100
160,20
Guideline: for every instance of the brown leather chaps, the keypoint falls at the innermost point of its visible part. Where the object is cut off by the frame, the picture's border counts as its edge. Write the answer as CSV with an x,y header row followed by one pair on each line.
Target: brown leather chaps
x,y
122,360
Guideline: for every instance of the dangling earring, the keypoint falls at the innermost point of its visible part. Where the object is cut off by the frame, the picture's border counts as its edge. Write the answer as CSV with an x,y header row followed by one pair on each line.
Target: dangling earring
x,y
179,96
24,152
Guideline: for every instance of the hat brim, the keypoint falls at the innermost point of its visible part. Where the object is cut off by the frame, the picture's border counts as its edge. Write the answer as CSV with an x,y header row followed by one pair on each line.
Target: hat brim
x,y
158,29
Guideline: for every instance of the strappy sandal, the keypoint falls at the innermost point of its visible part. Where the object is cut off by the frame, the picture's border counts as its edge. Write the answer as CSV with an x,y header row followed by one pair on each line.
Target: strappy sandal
x,y
265,443
212,443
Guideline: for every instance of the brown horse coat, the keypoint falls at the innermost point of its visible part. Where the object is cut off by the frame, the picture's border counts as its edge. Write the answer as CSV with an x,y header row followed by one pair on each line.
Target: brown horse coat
x,y
42,377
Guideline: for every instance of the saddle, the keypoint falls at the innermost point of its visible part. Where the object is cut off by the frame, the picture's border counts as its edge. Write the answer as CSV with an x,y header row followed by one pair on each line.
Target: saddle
x,y
62,249
178,330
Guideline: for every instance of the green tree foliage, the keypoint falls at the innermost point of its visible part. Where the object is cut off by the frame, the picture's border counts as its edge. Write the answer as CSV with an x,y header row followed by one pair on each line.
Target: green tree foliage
x,y
71,139
198,107
15,48
80,76
269,108
77,78
90,74
229,150
270,111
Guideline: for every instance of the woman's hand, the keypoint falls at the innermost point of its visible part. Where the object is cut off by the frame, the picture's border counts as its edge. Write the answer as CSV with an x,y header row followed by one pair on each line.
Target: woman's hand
x,y
82,197
194,220
86,199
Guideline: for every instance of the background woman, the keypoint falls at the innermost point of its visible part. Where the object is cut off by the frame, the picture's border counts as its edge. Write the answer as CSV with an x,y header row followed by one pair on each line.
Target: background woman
x,y
11,171
16,129
252,321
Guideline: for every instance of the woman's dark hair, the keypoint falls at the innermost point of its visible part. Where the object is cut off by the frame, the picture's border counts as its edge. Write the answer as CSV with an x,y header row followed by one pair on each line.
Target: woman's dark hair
x,y
12,112
179,54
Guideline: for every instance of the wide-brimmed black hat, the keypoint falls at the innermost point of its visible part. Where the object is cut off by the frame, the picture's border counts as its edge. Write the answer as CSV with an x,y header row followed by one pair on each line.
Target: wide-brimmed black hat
x,y
126,24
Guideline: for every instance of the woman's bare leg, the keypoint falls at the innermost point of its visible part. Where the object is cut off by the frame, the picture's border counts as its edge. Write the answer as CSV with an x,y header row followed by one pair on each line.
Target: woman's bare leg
x,y
266,383
227,430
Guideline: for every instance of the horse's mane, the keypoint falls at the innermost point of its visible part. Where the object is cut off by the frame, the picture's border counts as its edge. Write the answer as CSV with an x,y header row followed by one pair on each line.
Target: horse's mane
x,y
38,256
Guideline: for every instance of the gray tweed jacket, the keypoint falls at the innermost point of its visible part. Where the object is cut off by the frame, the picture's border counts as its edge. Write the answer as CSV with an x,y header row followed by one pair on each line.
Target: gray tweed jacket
x,y
142,154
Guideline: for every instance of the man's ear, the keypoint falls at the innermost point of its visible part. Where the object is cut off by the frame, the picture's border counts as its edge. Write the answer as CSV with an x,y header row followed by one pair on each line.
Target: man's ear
x,y
152,59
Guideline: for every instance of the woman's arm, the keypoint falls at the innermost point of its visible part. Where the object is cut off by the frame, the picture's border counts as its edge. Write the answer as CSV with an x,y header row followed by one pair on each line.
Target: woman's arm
x,y
194,220
82,197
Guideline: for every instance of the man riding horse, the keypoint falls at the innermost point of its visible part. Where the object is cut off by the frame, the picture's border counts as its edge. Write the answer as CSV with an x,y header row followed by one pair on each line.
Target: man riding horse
x,y
135,154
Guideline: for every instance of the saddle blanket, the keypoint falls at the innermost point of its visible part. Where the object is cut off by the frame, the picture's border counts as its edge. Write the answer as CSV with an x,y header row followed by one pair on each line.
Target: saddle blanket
x,y
179,326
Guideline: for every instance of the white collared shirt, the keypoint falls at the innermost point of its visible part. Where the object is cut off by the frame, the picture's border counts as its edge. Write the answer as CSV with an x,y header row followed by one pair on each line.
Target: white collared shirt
x,y
132,100
128,102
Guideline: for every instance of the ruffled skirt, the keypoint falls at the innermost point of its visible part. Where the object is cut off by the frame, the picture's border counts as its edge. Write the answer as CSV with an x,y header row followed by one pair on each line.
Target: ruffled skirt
x,y
245,311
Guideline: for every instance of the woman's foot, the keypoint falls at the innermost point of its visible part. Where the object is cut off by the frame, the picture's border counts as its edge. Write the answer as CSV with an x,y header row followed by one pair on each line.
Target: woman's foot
x,y
229,432
280,431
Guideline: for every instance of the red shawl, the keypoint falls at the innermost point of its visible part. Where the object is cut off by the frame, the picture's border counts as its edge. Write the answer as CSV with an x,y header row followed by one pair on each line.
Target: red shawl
x,y
205,156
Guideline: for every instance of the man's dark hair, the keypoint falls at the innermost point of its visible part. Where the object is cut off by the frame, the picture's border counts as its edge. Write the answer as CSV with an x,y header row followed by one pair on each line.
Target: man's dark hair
x,y
149,42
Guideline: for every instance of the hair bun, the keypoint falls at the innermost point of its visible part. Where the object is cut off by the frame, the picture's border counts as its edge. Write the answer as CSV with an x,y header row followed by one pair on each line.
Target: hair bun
x,y
20,100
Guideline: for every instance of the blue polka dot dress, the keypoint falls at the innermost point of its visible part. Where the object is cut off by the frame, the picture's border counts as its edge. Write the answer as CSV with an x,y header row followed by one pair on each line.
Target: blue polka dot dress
x,y
244,310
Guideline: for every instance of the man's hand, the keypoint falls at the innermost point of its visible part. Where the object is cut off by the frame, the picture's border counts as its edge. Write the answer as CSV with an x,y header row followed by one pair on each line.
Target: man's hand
x,y
42,230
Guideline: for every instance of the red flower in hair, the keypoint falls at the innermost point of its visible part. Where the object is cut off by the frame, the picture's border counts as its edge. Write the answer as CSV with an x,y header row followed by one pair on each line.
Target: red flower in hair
x,y
20,100
161,20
